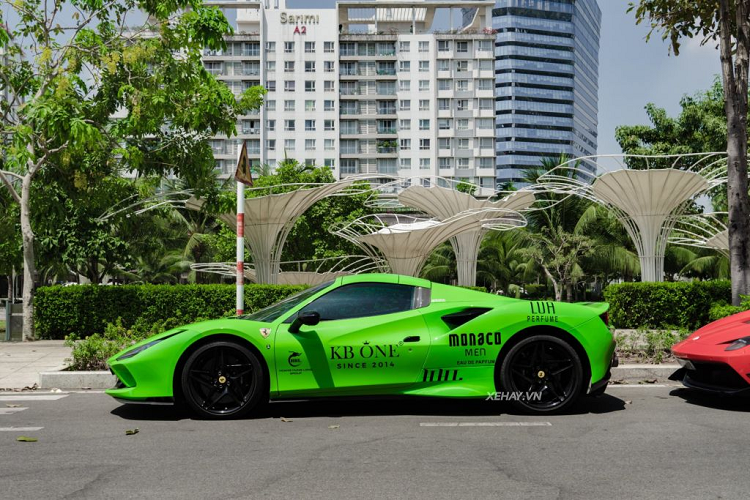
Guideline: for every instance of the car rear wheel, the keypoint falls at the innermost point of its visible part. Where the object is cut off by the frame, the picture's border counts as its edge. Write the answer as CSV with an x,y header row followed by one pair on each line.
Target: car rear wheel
x,y
541,374
222,380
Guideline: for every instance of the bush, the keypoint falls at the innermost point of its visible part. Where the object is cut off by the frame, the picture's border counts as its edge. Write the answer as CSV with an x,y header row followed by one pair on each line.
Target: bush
x,y
87,309
722,309
665,305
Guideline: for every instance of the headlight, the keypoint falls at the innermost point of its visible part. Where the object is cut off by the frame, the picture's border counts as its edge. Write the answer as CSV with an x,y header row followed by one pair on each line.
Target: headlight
x,y
145,346
738,344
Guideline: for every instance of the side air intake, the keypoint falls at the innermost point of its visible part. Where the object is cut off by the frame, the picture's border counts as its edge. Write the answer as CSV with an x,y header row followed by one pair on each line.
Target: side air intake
x,y
456,319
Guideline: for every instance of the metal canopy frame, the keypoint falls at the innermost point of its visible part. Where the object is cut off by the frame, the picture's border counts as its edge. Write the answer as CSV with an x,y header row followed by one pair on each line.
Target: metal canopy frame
x,y
702,231
647,201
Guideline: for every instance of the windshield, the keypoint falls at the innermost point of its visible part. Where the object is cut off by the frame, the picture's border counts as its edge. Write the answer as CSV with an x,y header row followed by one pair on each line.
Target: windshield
x,y
271,313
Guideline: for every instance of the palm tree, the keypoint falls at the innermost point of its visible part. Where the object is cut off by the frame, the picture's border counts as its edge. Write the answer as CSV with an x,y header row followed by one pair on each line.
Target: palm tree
x,y
501,263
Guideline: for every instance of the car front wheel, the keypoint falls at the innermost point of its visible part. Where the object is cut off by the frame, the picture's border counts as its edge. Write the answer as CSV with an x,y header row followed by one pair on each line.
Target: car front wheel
x,y
222,380
541,374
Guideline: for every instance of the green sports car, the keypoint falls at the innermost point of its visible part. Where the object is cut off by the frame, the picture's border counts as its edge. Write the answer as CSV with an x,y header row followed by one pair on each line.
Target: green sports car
x,y
377,334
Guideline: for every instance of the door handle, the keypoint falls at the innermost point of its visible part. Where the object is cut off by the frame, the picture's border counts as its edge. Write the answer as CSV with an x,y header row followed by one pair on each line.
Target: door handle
x,y
413,338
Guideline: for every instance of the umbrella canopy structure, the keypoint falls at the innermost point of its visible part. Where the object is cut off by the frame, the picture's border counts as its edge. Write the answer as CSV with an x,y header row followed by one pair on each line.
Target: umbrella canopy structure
x,y
270,217
444,203
647,201
302,272
703,231
406,241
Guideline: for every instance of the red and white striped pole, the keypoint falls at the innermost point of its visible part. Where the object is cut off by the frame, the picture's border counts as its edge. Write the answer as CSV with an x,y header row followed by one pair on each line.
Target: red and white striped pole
x,y
240,248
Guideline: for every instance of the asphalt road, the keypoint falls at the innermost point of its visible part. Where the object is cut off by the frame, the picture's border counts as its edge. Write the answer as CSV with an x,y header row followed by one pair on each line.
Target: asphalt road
x,y
636,442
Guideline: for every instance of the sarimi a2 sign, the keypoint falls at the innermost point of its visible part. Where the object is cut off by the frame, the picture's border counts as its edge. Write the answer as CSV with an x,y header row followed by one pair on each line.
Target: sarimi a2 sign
x,y
300,21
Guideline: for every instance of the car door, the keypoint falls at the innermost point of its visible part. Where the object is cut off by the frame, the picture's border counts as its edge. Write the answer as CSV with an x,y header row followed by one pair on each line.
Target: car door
x,y
371,338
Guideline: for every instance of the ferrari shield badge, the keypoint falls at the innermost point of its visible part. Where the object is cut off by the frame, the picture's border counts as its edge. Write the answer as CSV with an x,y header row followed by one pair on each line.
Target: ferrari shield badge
x,y
265,332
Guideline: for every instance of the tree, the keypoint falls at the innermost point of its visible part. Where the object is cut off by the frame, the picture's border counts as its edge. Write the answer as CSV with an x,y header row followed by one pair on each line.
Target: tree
x,y
67,78
730,26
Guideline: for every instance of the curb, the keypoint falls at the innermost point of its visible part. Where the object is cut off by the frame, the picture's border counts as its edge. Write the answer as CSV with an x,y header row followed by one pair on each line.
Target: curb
x,y
77,380
639,373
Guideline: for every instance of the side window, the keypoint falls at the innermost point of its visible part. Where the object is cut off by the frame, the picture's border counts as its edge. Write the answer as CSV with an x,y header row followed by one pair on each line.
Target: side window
x,y
360,300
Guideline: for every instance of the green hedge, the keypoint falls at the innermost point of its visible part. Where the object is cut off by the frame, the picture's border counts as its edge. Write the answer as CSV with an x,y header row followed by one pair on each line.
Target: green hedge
x,y
87,309
665,305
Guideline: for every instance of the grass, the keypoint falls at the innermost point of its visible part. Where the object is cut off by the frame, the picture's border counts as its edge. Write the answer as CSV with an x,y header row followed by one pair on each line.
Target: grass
x,y
2,326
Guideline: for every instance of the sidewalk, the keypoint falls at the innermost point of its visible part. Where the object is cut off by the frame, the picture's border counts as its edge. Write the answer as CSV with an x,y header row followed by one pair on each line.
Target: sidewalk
x,y
21,362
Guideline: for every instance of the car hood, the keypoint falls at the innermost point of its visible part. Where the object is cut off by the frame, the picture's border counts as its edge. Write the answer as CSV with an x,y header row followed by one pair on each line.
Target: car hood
x,y
724,330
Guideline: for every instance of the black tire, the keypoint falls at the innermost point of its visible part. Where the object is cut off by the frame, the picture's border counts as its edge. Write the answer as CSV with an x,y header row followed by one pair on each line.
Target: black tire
x,y
223,380
543,365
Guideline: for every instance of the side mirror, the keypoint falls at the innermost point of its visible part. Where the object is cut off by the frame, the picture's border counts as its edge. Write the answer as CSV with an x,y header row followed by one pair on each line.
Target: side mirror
x,y
309,318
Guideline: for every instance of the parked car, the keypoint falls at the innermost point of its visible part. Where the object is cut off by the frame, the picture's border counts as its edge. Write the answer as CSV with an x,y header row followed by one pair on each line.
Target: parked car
x,y
376,334
715,358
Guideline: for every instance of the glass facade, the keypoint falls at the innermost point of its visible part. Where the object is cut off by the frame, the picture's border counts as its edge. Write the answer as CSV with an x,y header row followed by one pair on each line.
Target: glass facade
x,y
547,80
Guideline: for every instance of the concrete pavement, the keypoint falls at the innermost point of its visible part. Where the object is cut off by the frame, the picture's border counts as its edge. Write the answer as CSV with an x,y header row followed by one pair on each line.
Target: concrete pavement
x,y
641,442
21,362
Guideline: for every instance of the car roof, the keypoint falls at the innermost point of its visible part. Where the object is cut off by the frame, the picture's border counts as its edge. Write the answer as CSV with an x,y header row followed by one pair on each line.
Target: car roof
x,y
386,278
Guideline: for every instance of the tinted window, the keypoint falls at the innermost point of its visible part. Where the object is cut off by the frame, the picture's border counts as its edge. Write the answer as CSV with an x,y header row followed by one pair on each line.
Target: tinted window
x,y
270,313
359,300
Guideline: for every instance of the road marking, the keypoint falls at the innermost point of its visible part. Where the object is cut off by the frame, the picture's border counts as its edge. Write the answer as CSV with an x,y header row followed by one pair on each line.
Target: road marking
x,y
8,411
20,429
33,398
629,386
485,424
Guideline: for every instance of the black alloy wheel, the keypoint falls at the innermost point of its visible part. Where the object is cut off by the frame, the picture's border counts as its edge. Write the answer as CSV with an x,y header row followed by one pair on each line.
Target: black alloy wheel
x,y
222,380
541,374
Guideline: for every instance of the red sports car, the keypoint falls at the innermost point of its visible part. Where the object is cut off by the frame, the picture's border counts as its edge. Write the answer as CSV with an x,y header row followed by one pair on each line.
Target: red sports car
x,y
716,358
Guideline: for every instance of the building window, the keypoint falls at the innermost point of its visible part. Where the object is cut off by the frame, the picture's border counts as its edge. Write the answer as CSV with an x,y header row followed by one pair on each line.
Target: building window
x,y
270,125
424,144
486,143
462,85
329,86
424,66
329,125
462,104
485,84
289,105
404,105
462,124
404,85
424,46
309,66
444,45
444,143
329,144
329,105
349,166
424,105
329,47
309,85
271,85
309,144
270,66
309,162
406,163
463,144
270,105
444,65
270,46
484,123
290,144
271,144
424,124
289,66
404,66
309,47
444,104
404,46
444,124
404,124
310,105
444,84
485,104
289,125
424,85
405,144
445,163
310,125
486,163
462,65
463,163
484,46
328,66
329,162
288,47
289,85
485,64
462,47
424,163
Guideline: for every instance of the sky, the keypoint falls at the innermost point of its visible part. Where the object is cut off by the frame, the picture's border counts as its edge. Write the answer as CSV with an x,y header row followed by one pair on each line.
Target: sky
x,y
632,73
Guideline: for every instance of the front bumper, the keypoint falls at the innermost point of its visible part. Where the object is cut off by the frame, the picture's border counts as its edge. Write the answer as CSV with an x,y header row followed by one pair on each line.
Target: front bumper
x,y
713,377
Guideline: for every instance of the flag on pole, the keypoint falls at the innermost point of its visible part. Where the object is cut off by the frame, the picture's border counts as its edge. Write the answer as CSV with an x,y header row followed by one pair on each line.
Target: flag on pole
x,y
243,173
